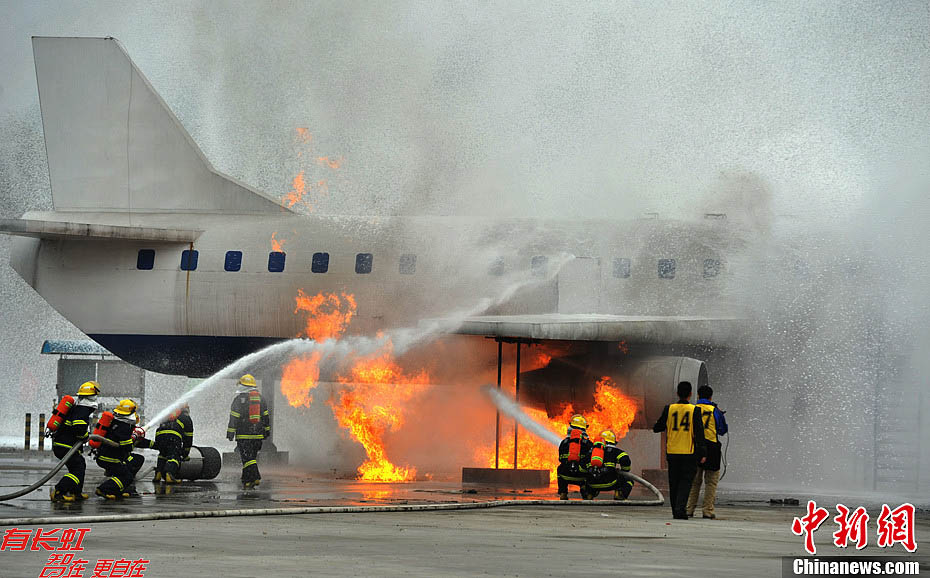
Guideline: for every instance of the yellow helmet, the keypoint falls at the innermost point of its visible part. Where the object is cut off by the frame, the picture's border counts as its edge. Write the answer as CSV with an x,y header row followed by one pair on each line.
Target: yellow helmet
x,y
247,380
608,436
579,422
89,388
125,407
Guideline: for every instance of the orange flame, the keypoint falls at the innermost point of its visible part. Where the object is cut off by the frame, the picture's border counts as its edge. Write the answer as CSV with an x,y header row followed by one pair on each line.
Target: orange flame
x,y
301,375
277,245
612,410
296,194
623,347
371,404
327,316
331,163
304,135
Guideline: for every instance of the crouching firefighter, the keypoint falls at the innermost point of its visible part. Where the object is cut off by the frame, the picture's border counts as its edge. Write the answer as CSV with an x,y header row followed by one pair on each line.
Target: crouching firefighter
x,y
68,426
119,464
169,442
607,460
249,424
574,455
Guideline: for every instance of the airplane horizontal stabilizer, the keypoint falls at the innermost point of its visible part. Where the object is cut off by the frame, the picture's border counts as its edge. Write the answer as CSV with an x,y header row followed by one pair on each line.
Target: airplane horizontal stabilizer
x,y
87,231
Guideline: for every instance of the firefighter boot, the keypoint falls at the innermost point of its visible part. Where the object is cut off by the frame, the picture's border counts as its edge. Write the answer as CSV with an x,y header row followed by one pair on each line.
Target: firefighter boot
x,y
100,493
563,496
618,495
257,482
169,479
157,478
54,495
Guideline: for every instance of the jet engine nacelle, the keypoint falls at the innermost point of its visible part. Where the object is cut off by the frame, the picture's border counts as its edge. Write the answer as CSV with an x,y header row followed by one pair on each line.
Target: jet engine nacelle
x,y
650,380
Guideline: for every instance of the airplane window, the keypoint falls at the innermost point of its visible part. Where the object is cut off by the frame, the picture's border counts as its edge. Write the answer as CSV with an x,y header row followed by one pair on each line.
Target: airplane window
x,y
363,263
189,259
621,268
539,266
233,261
320,263
276,261
146,259
667,268
408,264
497,267
711,268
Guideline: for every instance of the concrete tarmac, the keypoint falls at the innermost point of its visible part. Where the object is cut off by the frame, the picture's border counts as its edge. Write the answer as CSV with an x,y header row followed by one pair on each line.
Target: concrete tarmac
x,y
748,538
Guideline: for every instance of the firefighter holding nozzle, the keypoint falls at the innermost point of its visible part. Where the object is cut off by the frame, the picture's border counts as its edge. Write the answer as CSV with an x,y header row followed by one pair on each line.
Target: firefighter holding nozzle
x,y
574,458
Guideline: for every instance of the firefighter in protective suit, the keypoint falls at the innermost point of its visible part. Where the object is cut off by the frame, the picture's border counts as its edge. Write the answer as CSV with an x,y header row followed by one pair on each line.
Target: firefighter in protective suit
x,y
249,424
574,456
119,464
187,429
606,461
73,430
169,442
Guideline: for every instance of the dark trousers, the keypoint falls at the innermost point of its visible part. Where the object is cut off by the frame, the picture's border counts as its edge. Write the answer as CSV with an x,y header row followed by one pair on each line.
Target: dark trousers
x,y
73,481
573,475
120,476
681,470
248,452
607,479
169,454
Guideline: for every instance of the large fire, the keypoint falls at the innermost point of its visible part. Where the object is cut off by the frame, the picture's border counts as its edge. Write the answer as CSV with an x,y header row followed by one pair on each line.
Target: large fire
x,y
326,317
612,410
373,402
375,392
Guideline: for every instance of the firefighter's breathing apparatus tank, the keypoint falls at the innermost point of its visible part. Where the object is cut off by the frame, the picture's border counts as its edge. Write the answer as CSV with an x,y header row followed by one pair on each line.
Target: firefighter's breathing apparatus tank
x,y
59,413
101,429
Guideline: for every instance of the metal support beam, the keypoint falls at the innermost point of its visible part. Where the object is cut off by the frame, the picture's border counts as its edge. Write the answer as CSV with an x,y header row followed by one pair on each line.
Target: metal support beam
x,y
516,426
497,431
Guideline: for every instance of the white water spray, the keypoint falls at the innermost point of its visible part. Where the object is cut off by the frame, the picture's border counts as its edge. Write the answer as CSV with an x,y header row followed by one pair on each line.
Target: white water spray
x,y
513,409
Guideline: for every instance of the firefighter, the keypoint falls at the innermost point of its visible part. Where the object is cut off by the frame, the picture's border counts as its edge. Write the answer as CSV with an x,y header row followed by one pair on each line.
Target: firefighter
x,y
249,424
684,447
715,425
67,428
169,442
606,461
574,455
187,427
119,464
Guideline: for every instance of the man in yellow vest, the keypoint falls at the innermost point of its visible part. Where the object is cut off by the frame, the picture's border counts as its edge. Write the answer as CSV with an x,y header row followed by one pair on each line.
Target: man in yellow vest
x,y
684,447
715,425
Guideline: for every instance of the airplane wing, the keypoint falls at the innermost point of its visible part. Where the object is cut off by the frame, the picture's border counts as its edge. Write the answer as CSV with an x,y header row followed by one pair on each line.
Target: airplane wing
x,y
666,330
87,231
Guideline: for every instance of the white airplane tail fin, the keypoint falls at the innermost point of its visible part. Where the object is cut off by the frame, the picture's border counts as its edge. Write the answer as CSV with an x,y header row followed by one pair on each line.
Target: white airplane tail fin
x,y
114,145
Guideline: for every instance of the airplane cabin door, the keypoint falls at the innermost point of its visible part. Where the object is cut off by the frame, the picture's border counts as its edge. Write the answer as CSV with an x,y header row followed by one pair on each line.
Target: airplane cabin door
x,y
580,286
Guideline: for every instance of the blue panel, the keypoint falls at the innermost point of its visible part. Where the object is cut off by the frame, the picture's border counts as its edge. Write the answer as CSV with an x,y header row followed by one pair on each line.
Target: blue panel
x,y
408,264
363,263
667,268
621,268
276,261
189,259
233,261
711,268
320,263
146,259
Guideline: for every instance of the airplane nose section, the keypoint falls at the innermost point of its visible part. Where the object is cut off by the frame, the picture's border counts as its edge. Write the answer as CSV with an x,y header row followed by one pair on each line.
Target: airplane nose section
x,y
24,256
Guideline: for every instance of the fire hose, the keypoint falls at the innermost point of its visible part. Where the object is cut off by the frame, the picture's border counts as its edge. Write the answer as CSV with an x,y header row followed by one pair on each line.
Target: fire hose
x,y
75,448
